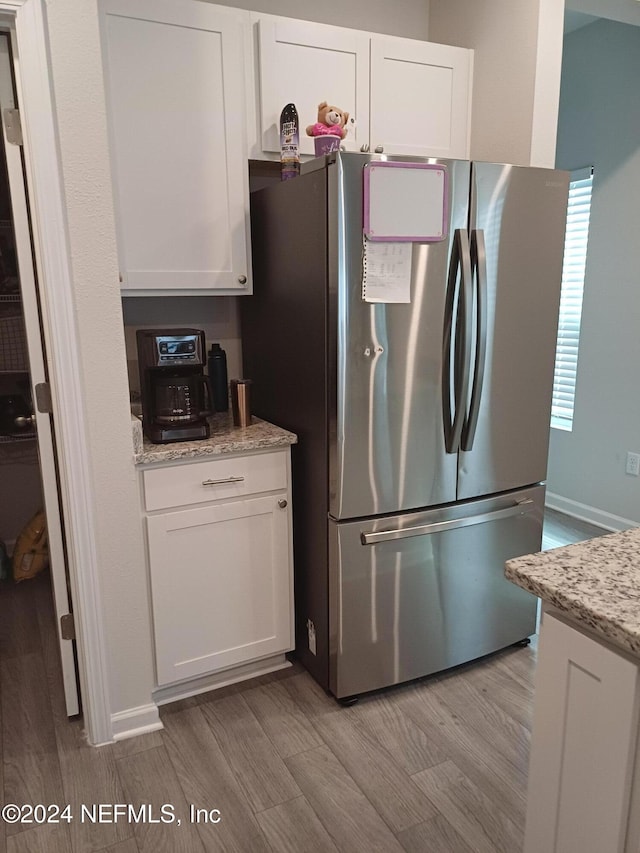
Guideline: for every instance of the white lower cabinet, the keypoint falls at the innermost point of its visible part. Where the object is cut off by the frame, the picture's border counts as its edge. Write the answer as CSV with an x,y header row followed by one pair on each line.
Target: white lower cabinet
x,y
220,572
583,747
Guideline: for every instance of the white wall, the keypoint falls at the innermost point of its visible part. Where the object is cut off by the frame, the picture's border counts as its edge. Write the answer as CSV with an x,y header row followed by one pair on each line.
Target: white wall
x,y
624,11
518,49
80,112
600,126
407,18
217,316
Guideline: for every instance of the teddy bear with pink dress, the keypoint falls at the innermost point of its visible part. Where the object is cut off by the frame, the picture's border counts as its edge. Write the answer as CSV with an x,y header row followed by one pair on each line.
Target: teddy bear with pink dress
x,y
331,122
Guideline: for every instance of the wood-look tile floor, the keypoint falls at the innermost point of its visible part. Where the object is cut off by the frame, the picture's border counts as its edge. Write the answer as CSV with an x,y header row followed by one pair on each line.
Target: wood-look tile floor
x,y
560,529
438,765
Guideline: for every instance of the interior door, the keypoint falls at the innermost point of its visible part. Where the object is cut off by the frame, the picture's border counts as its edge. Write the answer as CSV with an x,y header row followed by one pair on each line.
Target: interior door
x,y
519,215
38,375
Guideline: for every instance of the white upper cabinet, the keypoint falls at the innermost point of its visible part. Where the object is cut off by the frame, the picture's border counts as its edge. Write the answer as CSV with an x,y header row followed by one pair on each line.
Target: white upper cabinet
x,y
179,78
174,77
306,64
420,98
408,97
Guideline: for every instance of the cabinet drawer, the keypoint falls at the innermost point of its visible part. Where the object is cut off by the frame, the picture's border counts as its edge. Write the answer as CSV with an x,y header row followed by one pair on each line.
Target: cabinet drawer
x,y
217,479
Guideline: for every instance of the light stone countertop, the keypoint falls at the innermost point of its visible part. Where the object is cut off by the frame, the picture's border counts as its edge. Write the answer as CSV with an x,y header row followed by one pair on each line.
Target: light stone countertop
x,y
595,583
138,438
225,438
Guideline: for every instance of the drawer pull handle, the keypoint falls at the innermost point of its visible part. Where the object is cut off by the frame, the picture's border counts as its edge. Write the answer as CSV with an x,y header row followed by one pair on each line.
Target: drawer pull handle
x,y
223,482
282,503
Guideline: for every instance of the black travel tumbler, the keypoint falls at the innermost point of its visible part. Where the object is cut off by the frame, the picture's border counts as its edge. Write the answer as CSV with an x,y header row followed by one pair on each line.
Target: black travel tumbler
x,y
217,363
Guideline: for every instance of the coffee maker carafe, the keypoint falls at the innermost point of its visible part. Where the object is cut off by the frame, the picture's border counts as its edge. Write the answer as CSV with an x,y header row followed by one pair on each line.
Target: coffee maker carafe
x,y
176,396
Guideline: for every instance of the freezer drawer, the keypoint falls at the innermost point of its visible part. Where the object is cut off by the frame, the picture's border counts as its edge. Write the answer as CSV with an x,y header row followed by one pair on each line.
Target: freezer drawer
x,y
421,592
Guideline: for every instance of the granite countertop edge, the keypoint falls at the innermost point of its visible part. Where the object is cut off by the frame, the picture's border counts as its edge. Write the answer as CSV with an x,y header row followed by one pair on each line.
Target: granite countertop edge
x,y
595,583
224,439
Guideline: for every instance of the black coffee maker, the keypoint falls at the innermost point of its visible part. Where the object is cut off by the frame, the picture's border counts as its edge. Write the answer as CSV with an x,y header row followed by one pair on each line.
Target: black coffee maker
x,y
176,396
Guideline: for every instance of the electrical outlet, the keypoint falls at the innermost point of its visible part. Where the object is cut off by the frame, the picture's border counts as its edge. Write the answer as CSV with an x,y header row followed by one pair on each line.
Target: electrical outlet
x,y
311,630
633,464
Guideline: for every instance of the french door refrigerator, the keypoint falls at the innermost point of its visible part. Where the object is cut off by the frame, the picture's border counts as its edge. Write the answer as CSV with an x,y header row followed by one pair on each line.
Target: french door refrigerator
x,y
422,426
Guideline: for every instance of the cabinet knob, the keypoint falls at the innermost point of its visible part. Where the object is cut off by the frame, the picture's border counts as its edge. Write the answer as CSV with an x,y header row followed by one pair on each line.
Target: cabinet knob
x,y
365,148
282,503
379,149
242,279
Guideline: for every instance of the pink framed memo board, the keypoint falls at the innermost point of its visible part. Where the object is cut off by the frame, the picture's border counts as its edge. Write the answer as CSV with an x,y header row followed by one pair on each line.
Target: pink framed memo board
x,y
405,202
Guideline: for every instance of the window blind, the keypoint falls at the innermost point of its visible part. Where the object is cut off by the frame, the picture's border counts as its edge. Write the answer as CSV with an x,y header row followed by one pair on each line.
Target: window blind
x,y
573,269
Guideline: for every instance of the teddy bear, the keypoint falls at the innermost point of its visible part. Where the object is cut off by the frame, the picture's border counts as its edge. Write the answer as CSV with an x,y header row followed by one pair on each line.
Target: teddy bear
x,y
331,121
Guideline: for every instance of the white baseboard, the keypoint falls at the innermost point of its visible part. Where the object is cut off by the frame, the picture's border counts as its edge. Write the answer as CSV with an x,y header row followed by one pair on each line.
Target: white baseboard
x,y
195,686
590,514
136,721
146,719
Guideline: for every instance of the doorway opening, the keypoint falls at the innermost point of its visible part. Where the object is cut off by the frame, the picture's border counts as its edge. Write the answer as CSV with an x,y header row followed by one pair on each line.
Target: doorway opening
x,y
34,588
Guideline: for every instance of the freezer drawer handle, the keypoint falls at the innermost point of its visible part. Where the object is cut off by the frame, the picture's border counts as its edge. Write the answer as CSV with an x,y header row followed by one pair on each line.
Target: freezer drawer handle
x,y
224,482
520,508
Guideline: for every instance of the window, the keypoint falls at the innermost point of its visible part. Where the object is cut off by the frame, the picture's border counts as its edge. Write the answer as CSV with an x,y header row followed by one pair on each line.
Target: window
x,y
575,256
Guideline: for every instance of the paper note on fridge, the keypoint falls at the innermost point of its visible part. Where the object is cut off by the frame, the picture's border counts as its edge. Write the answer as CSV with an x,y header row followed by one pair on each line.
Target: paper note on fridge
x,y
386,272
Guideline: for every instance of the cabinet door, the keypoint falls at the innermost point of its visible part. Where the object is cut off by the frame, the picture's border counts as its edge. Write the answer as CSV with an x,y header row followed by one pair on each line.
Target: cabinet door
x,y
175,89
220,586
420,98
306,64
583,744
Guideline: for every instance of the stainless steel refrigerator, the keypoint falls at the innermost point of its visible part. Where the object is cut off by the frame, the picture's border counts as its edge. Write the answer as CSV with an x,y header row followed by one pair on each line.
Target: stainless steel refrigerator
x,y
422,427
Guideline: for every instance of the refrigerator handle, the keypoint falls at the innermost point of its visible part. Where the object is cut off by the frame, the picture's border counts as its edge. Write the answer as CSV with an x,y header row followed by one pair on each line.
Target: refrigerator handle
x,y
520,508
460,331
479,271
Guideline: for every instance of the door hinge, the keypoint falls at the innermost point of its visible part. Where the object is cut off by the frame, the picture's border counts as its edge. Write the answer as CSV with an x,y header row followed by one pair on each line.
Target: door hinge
x,y
67,627
43,398
12,126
